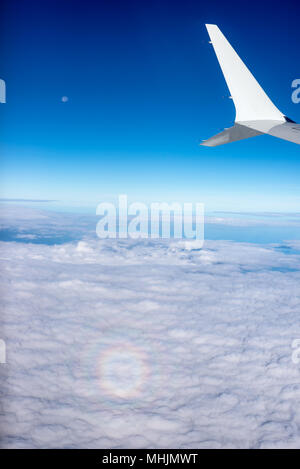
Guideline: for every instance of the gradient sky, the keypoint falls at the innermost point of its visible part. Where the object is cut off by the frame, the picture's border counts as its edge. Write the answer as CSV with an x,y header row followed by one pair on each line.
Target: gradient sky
x,y
144,87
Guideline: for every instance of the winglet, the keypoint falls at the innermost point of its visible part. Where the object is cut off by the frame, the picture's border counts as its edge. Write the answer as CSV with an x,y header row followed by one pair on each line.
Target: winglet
x,y
251,102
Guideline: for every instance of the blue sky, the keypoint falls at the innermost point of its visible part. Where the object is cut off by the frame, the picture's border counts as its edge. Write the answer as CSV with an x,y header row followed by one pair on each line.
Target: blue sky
x,y
143,87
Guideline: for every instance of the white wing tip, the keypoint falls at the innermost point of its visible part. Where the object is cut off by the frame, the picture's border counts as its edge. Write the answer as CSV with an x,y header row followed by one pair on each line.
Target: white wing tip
x,y
211,26
251,101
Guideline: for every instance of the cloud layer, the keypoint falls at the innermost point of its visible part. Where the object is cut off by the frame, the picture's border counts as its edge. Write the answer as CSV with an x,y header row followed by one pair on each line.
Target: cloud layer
x,y
125,344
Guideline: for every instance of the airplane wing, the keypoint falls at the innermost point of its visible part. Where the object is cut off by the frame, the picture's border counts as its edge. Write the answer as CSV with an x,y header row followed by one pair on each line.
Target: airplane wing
x,y
232,134
255,112
286,131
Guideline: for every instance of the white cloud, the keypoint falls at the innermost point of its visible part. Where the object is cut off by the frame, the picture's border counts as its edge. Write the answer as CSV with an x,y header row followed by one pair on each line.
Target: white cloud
x,y
255,219
149,344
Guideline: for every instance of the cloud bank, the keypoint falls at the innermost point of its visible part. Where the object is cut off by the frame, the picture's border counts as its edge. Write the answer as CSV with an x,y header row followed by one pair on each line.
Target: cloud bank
x,y
127,344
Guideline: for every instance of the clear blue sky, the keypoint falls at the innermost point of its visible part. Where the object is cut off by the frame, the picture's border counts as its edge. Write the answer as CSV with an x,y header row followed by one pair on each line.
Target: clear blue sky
x,y
143,87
